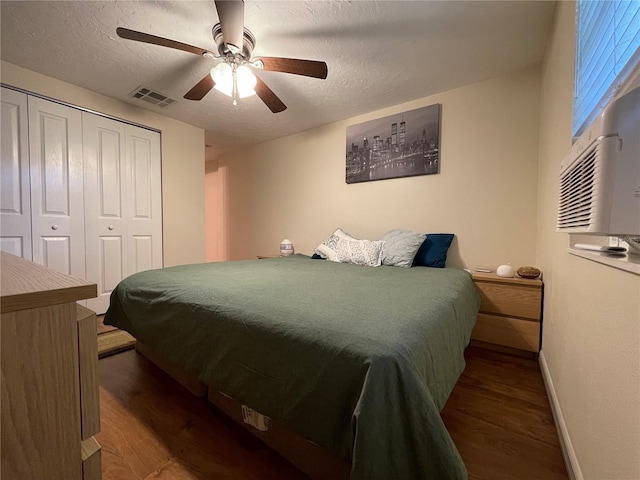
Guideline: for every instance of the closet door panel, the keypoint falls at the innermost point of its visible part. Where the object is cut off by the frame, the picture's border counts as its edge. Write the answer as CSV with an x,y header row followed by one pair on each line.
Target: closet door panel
x,y
13,245
143,252
56,253
56,172
145,216
111,258
105,205
141,171
15,190
54,186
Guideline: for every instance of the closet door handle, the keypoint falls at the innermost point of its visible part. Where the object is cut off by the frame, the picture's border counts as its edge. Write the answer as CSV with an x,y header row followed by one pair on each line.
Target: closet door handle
x,y
110,227
54,227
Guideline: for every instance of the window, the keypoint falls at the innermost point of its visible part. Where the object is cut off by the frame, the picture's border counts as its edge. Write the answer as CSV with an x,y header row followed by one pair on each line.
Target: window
x,y
607,50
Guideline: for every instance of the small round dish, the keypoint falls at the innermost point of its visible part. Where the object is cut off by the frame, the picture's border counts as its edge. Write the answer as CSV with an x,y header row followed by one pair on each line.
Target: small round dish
x,y
528,272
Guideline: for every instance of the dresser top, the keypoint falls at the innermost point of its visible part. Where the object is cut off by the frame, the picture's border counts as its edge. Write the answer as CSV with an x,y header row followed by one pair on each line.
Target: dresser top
x,y
492,277
24,284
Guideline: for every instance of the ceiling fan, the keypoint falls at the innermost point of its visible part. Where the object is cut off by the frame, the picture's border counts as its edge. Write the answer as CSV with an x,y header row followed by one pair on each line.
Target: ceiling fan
x,y
232,76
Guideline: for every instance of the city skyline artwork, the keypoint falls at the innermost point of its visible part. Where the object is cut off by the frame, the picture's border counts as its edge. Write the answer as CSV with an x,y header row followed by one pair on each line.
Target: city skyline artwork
x,y
400,145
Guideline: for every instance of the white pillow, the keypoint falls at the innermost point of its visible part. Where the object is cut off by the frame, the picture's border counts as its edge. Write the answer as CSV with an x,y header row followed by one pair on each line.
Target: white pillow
x,y
327,249
359,252
400,247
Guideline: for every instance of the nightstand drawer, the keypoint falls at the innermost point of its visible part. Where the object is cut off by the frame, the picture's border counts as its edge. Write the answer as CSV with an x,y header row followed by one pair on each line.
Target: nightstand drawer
x,y
507,331
511,300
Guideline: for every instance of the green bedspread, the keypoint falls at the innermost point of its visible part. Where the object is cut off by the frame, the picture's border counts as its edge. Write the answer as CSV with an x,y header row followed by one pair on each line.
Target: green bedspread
x,y
359,360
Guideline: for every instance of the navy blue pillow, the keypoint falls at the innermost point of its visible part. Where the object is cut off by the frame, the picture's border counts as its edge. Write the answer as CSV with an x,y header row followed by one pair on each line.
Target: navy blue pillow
x,y
315,256
433,251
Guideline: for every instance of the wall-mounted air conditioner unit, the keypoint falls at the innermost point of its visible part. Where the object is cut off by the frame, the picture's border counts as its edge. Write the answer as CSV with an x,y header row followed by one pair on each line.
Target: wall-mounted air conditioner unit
x,y
600,177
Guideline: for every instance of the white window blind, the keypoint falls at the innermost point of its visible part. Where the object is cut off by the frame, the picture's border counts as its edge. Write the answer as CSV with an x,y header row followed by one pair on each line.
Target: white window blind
x,y
607,49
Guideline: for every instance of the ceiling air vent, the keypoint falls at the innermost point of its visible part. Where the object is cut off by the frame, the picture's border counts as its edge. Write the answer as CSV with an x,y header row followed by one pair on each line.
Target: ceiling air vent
x,y
154,98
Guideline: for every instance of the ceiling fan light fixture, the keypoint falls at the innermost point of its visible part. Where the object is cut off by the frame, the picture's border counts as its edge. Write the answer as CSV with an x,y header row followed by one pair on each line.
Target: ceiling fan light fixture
x,y
222,75
235,82
246,81
232,77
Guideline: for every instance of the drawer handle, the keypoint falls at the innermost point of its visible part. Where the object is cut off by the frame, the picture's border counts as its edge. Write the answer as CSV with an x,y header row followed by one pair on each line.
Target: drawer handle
x,y
110,227
54,227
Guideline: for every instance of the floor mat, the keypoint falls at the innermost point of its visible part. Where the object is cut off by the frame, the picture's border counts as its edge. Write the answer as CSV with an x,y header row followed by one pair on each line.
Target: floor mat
x,y
115,341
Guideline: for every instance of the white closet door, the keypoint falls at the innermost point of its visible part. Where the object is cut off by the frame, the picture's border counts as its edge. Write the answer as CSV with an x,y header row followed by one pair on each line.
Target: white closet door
x,y
55,150
145,202
106,202
15,191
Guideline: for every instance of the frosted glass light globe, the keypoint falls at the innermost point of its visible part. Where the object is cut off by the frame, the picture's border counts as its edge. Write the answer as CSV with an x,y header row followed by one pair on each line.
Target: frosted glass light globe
x,y
222,75
246,81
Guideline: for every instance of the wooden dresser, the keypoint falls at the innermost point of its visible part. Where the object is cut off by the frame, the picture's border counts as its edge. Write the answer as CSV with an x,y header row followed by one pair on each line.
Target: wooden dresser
x,y
510,312
50,400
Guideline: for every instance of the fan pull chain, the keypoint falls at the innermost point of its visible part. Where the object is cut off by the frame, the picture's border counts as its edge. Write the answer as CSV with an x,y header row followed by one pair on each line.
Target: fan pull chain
x,y
234,92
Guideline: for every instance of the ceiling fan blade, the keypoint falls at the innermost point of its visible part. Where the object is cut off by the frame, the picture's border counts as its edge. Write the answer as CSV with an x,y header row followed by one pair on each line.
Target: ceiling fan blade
x,y
269,98
201,88
231,15
164,42
308,68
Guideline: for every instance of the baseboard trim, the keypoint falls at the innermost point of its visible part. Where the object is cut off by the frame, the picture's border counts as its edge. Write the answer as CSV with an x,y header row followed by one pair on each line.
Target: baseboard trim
x,y
570,458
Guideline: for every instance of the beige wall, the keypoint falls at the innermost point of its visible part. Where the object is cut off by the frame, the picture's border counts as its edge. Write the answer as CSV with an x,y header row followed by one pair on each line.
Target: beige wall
x,y
214,226
210,211
294,187
182,159
591,334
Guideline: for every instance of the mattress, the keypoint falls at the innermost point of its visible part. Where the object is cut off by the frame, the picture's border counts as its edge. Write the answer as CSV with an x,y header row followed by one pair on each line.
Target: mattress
x,y
359,360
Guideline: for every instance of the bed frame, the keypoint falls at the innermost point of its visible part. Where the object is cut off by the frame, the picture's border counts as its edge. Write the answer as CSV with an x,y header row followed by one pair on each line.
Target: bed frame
x,y
317,462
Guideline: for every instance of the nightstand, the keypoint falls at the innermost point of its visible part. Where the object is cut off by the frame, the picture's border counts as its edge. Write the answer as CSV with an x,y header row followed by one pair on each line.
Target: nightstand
x,y
260,257
510,312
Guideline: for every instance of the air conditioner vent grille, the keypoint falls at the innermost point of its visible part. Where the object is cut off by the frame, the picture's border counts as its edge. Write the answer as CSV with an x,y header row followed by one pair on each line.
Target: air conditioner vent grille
x,y
155,98
577,191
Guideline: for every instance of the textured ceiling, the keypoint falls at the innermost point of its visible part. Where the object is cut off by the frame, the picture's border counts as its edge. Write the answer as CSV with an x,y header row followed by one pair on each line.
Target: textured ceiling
x,y
379,53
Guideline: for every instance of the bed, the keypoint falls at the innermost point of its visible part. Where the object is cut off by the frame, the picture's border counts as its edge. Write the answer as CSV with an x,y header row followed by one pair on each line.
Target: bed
x,y
357,360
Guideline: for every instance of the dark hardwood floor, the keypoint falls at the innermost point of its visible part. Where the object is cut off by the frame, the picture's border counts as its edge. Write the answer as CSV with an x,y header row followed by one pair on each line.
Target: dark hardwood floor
x,y
152,428
500,419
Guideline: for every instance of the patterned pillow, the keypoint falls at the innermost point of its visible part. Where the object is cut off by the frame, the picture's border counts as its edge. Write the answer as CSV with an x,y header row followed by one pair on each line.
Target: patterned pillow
x,y
359,252
400,247
327,249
